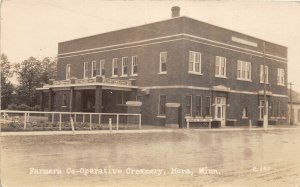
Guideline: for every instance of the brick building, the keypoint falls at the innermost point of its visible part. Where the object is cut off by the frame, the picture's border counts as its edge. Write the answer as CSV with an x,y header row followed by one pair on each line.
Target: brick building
x,y
176,68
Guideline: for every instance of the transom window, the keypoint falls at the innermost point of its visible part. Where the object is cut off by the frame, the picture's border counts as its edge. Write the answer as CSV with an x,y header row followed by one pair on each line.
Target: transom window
x,y
124,66
262,74
68,71
134,65
244,70
220,66
115,67
85,70
195,62
163,62
280,76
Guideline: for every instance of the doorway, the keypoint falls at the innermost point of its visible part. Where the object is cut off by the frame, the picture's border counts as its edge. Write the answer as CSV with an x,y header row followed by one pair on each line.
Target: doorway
x,y
220,109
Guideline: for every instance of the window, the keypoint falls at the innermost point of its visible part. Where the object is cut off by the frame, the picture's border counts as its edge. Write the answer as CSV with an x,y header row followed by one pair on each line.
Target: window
x,y
85,70
124,66
272,109
102,70
244,70
194,62
262,74
198,105
64,100
121,98
94,68
280,76
114,67
138,98
188,105
68,71
261,109
162,105
163,62
207,106
220,66
134,66
245,112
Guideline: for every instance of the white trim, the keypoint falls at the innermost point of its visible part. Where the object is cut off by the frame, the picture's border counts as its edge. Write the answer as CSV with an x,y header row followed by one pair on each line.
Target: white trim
x,y
166,37
194,73
204,88
162,73
243,41
85,68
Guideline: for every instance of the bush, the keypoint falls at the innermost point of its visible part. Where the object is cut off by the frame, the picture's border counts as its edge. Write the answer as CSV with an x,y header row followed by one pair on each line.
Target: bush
x,y
12,107
23,107
36,108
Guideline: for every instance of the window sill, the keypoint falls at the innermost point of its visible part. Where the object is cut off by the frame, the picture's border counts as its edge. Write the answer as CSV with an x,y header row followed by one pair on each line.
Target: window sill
x,y
280,84
162,73
124,76
220,76
247,80
134,75
160,116
263,82
244,117
114,76
63,106
195,73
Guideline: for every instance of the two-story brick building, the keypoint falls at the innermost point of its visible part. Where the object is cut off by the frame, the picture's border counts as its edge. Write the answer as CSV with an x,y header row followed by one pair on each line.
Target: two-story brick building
x,y
202,69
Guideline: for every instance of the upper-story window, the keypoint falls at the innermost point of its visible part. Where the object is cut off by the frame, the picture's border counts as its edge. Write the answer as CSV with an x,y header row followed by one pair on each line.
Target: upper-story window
x,y
102,70
194,62
134,65
244,70
124,66
114,67
262,74
280,76
220,66
163,62
85,70
68,71
94,68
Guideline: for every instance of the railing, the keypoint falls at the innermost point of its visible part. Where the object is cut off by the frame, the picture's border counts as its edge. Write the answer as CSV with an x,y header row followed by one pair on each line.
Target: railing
x,y
11,120
62,82
116,81
85,81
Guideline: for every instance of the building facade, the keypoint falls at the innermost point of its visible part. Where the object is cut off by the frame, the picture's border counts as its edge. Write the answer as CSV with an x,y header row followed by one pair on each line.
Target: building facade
x,y
205,70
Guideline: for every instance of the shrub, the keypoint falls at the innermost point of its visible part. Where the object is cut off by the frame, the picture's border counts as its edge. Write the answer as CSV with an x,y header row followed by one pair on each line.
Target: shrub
x,y
36,108
23,107
12,107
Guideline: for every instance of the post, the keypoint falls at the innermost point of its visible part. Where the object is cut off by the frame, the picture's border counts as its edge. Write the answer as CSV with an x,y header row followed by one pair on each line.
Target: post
x,y
25,120
83,118
265,122
52,117
110,126
99,119
90,121
28,117
4,120
291,105
140,121
188,124
117,122
250,124
75,118
60,121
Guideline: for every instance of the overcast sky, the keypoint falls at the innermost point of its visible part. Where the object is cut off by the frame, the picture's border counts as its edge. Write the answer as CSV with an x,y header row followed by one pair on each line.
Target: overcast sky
x,y
34,27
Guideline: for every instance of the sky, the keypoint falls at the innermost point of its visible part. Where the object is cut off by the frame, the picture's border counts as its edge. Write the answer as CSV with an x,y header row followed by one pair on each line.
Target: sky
x,y
34,27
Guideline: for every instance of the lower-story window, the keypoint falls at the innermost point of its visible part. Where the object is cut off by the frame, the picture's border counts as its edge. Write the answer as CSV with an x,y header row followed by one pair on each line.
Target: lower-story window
x,y
188,105
208,106
198,105
162,105
64,100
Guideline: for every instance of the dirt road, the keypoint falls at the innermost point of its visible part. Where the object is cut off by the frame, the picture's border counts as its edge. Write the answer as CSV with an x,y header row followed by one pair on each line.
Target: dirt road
x,y
181,158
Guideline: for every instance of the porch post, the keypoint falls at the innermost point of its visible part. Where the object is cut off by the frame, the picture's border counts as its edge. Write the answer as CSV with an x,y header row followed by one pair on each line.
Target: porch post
x,y
73,101
42,101
50,101
98,99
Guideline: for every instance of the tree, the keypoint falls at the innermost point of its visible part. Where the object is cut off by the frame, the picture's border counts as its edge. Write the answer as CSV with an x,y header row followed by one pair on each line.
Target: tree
x,y
6,86
31,74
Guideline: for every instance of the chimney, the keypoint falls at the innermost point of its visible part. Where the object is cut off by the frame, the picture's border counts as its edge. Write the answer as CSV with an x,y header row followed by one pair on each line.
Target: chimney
x,y
175,11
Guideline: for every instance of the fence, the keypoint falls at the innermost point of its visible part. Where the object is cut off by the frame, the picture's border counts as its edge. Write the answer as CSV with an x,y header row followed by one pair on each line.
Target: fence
x,y
12,120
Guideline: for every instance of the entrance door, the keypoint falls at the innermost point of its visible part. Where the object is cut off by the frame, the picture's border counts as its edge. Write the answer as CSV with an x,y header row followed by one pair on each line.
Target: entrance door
x,y
261,109
220,109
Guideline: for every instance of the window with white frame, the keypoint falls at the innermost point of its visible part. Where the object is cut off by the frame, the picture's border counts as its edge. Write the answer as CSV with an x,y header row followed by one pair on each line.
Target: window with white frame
x,y
244,70
280,76
94,68
85,70
162,105
262,74
124,66
198,105
188,105
163,62
102,70
115,67
68,71
220,66
134,65
195,62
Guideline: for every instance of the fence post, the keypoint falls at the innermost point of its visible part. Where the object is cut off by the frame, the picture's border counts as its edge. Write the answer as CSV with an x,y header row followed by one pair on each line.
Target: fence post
x,y
52,117
140,121
4,120
83,118
90,121
75,118
28,117
109,124
250,124
117,122
99,119
60,121
25,120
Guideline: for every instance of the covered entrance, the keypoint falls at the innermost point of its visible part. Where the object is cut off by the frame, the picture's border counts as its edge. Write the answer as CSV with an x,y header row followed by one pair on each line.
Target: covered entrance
x,y
220,110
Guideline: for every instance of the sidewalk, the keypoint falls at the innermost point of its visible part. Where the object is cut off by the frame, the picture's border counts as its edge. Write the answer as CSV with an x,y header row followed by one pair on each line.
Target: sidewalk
x,y
47,133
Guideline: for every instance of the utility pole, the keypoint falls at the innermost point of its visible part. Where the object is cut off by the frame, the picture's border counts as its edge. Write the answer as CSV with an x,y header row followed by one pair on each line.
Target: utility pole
x,y
291,104
265,122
